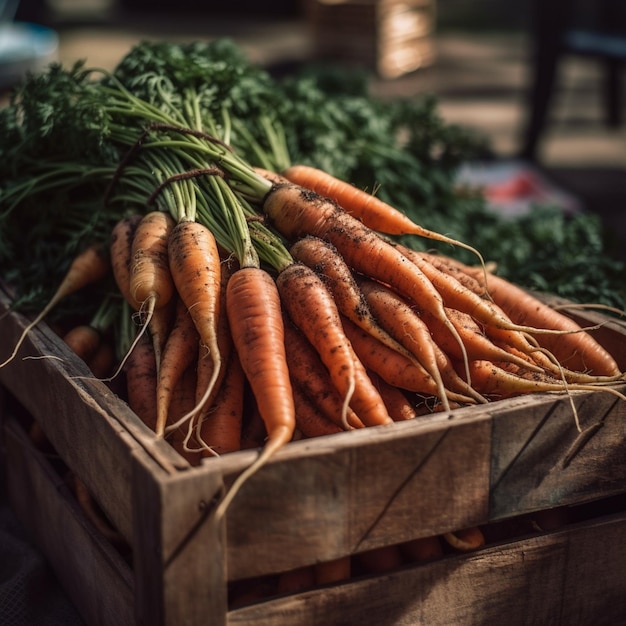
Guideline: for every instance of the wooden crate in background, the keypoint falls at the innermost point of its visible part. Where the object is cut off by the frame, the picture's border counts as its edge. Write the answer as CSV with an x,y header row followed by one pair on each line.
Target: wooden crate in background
x,y
390,37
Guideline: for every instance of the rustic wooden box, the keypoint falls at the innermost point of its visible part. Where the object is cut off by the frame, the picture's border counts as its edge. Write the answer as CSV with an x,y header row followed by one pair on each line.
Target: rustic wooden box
x,y
390,37
321,499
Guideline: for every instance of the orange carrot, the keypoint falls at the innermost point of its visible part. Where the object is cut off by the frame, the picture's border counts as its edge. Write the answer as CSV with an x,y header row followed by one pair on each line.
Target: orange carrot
x,y
310,421
83,340
574,346
477,344
372,211
195,268
296,212
89,266
379,560
334,571
578,350
221,425
256,323
120,249
466,539
102,360
397,317
182,401
179,351
150,278
273,177
206,366
422,549
141,381
496,379
392,367
324,258
398,405
313,310
309,374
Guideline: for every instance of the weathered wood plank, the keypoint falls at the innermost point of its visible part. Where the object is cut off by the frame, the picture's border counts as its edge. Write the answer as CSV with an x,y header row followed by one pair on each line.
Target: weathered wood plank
x,y
541,460
92,572
180,573
92,429
573,576
354,491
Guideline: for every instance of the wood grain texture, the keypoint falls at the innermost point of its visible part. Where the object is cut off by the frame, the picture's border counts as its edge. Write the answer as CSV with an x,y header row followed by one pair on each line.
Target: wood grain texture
x,y
93,574
568,577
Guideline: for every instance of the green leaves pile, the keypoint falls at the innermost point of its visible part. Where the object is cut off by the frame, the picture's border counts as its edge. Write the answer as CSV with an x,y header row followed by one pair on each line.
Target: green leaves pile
x,y
68,132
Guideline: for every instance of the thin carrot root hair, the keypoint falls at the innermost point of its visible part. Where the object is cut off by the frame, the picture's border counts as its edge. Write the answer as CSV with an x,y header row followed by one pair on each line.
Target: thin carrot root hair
x,y
89,266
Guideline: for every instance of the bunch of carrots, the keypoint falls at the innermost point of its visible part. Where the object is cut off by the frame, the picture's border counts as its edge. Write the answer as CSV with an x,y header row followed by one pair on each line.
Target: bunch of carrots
x,y
290,285
331,325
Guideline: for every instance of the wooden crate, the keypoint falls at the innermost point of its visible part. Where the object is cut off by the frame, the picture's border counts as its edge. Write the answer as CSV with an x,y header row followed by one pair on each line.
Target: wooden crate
x,y
318,500
390,37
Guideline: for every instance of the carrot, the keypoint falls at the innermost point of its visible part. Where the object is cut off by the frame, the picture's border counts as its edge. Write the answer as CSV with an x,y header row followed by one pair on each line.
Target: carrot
x,y
296,580
392,367
379,560
102,360
120,249
84,340
422,549
150,278
141,381
578,350
324,258
273,177
334,571
312,309
372,211
296,212
255,317
206,365
151,284
466,539
179,351
397,317
308,373
182,401
494,379
89,266
398,405
310,421
477,344
195,268
221,426
573,345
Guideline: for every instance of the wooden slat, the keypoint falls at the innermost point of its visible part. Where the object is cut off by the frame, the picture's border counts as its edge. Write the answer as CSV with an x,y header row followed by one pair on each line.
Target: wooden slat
x,y
92,429
573,576
95,577
180,573
354,491
540,459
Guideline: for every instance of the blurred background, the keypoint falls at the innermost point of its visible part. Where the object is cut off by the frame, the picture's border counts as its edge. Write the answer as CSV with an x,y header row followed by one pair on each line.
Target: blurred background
x,y
542,81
